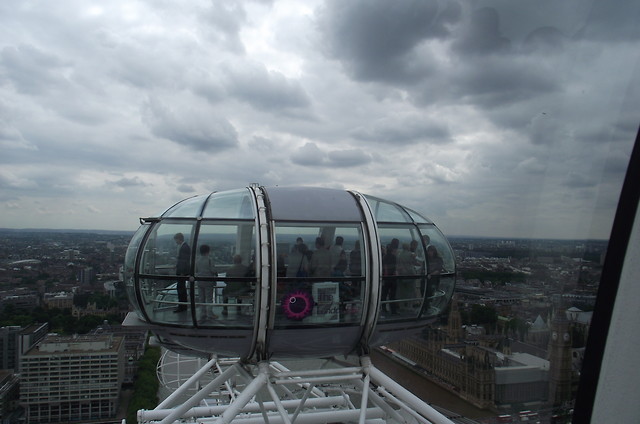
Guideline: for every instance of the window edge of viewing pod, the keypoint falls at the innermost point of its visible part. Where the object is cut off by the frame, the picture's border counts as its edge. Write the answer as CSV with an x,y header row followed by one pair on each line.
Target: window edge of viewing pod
x,y
375,209
179,205
216,327
425,220
219,325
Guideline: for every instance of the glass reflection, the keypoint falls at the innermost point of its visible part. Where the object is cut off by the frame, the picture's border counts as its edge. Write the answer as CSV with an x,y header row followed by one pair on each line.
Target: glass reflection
x,y
403,269
232,204
213,283
129,262
188,207
320,277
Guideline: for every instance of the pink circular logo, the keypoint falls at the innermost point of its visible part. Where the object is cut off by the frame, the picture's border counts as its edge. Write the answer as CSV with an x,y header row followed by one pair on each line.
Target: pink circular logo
x,y
297,304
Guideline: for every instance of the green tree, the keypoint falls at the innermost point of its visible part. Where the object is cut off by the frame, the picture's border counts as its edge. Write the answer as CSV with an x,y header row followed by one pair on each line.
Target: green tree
x,y
483,315
145,385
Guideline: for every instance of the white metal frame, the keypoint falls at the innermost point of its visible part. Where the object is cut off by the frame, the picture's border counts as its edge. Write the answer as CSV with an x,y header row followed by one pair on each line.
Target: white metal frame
x,y
269,392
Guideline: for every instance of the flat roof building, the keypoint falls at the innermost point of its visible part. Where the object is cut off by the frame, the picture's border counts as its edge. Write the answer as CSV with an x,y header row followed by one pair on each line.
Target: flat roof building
x,y
72,379
16,340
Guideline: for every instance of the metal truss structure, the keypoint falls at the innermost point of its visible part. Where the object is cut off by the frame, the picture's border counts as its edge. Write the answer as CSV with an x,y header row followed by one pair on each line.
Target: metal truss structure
x,y
305,392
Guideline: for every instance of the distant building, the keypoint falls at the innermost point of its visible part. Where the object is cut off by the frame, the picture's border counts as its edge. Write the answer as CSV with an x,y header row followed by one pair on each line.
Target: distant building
x,y
523,378
72,379
561,374
465,369
479,368
62,300
134,345
86,276
538,334
9,391
27,301
15,340
93,310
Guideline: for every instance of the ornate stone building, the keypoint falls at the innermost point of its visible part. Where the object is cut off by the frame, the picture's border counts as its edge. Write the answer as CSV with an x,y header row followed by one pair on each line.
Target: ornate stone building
x,y
560,356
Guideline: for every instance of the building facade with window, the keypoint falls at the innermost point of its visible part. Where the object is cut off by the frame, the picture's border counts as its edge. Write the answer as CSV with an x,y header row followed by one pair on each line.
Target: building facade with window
x,y
72,379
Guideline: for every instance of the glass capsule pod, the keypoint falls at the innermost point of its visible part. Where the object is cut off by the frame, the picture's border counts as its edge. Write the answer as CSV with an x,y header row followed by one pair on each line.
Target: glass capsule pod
x,y
275,272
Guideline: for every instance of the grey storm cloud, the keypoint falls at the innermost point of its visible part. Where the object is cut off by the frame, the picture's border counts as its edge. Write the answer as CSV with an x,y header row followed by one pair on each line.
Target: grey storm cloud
x,y
408,130
376,39
493,82
186,188
545,39
130,182
471,110
311,155
223,21
191,128
348,158
263,89
482,35
579,180
31,70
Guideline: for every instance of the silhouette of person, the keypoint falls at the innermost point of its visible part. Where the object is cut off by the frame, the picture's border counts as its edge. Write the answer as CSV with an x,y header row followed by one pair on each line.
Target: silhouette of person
x,y
182,270
389,285
204,267
340,268
435,267
355,260
336,250
320,265
298,261
235,288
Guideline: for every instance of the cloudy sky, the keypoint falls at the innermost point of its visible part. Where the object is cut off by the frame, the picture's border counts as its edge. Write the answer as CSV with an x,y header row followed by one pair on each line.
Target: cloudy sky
x,y
502,118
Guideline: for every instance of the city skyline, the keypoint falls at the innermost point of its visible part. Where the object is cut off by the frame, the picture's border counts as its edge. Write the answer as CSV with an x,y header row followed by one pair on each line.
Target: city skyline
x,y
489,119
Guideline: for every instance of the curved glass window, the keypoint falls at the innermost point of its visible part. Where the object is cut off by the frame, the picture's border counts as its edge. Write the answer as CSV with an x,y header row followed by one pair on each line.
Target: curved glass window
x,y
165,267
403,272
433,237
225,274
210,277
386,211
232,204
188,207
129,262
440,262
417,218
320,274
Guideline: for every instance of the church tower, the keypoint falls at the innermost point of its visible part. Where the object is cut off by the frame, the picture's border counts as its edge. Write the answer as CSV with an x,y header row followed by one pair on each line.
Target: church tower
x,y
454,326
560,368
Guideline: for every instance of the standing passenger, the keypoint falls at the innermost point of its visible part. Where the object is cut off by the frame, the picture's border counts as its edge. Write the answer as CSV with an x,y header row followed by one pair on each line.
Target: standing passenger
x,y
182,271
389,284
204,267
336,250
235,288
355,260
320,265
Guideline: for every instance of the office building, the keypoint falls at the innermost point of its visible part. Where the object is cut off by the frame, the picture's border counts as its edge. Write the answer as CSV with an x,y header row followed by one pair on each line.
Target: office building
x,y
72,379
15,340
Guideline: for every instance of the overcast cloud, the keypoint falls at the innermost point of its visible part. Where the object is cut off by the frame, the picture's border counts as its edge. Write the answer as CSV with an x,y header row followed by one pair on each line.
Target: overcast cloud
x,y
493,118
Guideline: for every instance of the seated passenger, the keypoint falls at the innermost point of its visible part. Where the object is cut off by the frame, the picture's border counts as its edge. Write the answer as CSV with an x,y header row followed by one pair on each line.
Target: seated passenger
x,y
236,288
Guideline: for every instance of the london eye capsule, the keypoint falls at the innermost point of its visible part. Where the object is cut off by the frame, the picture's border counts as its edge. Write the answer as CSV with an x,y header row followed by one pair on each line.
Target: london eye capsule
x,y
286,272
